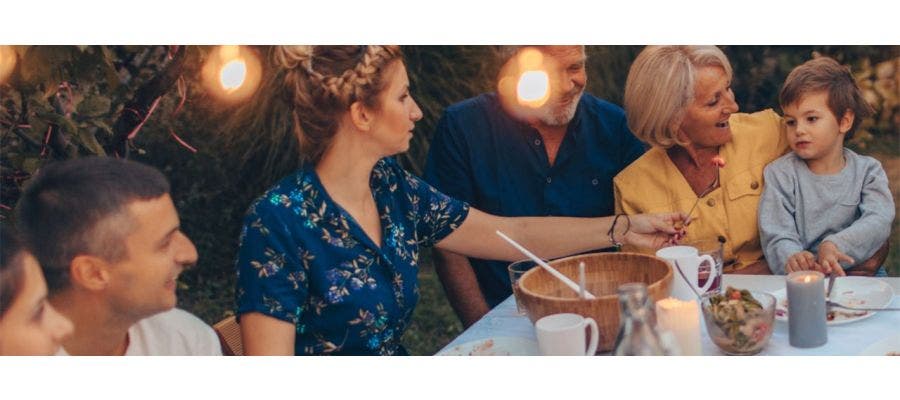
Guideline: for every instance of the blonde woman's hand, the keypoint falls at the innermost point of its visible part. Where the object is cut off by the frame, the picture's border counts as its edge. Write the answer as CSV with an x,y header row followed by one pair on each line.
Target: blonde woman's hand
x,y
654,231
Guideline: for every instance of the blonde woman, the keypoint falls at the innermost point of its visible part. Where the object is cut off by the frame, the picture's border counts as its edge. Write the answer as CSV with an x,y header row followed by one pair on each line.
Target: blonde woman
x,y
328,258
678,99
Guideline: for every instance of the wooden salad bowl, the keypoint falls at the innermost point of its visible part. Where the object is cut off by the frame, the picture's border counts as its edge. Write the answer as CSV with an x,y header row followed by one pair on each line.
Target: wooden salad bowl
x,y
541,294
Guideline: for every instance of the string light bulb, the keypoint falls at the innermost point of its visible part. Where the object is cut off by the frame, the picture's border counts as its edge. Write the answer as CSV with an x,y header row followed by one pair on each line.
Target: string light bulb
x,y
533,87
7,62
233,75
232,72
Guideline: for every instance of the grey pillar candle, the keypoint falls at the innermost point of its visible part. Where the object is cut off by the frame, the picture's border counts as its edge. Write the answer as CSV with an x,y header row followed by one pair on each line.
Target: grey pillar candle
x,y
806,309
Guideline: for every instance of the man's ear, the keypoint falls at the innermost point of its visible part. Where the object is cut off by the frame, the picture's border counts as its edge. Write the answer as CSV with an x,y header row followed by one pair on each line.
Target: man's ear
x,y
89,272
361,116
846,121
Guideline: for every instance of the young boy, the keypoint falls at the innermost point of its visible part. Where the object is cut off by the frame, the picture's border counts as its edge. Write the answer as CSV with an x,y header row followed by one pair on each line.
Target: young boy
x,y
823,204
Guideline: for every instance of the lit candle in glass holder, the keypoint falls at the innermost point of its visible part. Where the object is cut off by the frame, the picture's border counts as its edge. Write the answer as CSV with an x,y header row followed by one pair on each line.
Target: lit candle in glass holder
x,y
806,309
682,318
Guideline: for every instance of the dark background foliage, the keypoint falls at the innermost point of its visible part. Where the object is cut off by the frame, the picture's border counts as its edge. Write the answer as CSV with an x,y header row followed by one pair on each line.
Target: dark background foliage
x,y
70,101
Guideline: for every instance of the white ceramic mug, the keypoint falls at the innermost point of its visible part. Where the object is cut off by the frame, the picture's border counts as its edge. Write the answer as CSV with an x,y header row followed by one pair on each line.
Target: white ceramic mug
x,y
564,335
688,261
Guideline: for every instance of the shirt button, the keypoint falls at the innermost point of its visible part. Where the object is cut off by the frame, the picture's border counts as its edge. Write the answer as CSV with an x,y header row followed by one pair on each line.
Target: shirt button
x,y
754,185
595,182
537,142
549,179
711,202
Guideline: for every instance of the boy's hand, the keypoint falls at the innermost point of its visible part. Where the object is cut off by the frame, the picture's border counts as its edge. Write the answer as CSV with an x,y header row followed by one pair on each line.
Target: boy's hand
x,y
802,261
830,257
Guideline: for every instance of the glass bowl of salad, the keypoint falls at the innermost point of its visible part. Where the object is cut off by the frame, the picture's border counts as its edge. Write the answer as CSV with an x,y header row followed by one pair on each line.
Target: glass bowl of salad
x,y
739,321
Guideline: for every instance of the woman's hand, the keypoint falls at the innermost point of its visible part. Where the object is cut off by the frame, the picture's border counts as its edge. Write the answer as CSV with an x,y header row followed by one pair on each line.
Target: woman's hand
x,y
655,230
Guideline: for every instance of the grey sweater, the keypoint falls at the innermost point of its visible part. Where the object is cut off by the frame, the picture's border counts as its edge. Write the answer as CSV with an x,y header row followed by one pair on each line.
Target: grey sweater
x,y
799,209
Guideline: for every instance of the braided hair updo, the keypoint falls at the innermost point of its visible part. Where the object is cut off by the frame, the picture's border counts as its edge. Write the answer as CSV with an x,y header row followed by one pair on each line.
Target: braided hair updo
x,y
321,82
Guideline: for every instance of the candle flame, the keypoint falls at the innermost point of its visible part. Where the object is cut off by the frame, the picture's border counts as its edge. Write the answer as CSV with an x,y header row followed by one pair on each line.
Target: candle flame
x,y
233,74
807,279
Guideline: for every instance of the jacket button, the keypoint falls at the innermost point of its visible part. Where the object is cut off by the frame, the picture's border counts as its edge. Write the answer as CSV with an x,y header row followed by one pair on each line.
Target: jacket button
x,y
711,202
722,239
754,185
549,180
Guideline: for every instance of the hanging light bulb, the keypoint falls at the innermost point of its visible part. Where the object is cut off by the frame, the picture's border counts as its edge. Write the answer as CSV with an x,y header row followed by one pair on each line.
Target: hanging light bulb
x,y
533,87
7,62
233,75
232,72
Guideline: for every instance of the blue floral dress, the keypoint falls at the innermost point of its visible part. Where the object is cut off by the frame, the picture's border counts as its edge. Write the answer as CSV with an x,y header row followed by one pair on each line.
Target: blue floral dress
x,y
305,260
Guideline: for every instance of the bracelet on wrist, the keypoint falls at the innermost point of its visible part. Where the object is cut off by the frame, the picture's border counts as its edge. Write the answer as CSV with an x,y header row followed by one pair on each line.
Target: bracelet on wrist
x,y
612,231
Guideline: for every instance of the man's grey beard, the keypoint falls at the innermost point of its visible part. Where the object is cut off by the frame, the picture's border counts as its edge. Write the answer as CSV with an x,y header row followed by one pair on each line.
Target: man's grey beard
x,y
560,116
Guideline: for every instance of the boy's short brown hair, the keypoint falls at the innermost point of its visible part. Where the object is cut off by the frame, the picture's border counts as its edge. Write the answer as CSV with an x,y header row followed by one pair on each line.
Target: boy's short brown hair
x,y
825,74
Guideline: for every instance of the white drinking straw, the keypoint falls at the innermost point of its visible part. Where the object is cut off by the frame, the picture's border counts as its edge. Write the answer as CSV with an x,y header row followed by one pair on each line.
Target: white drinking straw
x,y
581,280
564,279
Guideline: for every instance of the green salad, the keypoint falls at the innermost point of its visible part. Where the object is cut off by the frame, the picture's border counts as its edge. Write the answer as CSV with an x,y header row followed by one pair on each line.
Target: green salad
x,y
743,326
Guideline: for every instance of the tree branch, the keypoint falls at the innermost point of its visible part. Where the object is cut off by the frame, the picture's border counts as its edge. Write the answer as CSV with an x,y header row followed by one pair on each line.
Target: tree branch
x,y
136,110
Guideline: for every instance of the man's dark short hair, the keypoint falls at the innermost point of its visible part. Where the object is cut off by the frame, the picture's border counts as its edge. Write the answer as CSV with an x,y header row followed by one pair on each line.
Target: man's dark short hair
x,y
79,206
825,74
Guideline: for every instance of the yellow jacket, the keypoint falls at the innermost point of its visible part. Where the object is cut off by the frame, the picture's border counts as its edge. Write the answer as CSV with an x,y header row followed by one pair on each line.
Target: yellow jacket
x,y
653,184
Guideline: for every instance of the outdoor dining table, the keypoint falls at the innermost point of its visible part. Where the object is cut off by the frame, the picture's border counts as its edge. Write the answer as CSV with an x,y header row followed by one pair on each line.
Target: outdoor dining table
x,y
843,340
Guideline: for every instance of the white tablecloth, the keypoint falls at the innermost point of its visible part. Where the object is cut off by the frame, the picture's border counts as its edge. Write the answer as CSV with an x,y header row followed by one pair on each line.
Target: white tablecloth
x,y
843,340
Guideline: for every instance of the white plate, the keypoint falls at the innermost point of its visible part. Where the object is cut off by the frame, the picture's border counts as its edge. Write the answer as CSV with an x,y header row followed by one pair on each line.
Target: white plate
x,y
859,291
498,346
890,344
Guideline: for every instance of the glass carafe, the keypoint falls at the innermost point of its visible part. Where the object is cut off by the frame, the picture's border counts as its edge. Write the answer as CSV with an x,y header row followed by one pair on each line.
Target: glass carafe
x,y
637,327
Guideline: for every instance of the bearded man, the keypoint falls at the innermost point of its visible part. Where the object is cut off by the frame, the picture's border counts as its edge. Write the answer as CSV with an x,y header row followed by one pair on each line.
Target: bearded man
x,y
513,155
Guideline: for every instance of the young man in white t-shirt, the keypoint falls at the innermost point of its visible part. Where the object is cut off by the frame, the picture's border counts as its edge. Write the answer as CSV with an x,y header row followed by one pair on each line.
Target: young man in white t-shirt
x,y
107,236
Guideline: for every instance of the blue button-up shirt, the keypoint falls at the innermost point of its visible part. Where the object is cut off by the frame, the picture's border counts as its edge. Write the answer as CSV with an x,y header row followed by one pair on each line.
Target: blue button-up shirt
x,y
499,165
305,260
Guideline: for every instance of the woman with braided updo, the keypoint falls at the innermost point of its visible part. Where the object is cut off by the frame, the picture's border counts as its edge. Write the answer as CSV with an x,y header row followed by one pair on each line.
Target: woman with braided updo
x,y
328,258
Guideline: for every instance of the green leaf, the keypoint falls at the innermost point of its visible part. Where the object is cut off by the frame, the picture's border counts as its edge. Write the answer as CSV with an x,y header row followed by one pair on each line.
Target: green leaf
x,y
90,142
67,125
109,69
102,125
93,106
38,127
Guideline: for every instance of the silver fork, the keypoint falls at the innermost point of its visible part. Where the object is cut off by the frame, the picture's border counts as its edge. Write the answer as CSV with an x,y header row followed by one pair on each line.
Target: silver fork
x,y
704,193
831,279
